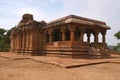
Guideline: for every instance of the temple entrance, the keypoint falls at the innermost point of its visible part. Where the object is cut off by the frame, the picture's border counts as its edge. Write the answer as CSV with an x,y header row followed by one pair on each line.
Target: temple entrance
x,y
57,35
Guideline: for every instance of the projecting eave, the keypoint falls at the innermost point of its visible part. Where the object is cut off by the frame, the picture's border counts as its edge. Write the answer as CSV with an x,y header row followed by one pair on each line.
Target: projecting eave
x,y
72,20
78,21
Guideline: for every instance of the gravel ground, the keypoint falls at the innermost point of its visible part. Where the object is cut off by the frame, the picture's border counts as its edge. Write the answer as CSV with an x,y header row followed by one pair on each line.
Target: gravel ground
x,y
26,69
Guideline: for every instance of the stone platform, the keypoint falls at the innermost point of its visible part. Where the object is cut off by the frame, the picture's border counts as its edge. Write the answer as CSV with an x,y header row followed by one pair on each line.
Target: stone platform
x,y
62,62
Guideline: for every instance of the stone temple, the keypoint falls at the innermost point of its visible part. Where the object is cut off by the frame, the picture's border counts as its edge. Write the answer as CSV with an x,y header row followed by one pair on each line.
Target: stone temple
x,y
63,37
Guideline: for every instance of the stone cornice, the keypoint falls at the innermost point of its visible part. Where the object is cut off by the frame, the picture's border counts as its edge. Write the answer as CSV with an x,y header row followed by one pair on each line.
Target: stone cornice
x,y
79,20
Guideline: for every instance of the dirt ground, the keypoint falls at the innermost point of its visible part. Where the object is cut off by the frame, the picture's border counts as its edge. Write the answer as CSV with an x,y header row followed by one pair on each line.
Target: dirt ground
x,y
27,69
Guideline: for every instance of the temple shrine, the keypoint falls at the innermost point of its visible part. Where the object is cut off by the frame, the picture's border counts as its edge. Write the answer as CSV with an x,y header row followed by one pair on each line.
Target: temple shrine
x,y
63,37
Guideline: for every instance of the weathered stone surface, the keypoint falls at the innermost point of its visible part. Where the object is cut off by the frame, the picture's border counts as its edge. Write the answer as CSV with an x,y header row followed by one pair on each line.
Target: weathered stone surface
x,y
64,36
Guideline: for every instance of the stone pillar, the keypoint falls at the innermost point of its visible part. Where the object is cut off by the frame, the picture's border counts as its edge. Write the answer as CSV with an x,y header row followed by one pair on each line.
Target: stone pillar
x,y
50,36
103,36
72,34
88,37
63,34
103,39
81,35
96,36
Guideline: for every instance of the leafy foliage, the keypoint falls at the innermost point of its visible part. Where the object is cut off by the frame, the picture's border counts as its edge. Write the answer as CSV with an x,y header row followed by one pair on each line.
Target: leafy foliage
x,y
117,35
5,39
117,48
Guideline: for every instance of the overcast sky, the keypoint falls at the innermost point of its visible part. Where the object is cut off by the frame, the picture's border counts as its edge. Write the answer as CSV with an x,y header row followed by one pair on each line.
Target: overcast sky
x,y
48,10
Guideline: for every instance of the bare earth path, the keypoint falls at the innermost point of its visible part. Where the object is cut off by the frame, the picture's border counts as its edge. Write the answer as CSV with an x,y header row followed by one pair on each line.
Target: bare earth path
x,y
26,69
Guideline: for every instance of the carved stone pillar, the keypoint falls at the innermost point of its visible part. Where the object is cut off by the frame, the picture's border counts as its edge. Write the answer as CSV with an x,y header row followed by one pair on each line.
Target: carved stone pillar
x,y
103,39
103,36
96,36
63,34
50,36
88,37
72,34
81,35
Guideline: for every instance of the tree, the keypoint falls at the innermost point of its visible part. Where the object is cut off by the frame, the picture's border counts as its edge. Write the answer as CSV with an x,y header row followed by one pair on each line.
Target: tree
x,y
2,39
5,39
2,33
117,35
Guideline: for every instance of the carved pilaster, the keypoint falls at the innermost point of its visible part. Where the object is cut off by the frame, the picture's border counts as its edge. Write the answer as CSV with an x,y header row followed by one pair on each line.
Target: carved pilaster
x,y
26,39
63,34
103,36
30,39
20,40
50,35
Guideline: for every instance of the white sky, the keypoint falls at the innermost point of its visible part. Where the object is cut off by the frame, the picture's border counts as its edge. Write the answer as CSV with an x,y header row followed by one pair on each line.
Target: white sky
x,y
48,10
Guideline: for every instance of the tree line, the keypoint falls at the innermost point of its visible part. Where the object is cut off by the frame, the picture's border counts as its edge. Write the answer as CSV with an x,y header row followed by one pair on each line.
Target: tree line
x,y
117,35
5,39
